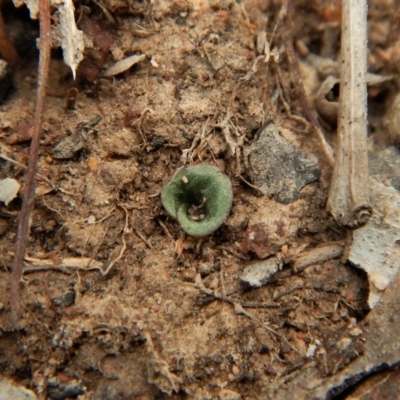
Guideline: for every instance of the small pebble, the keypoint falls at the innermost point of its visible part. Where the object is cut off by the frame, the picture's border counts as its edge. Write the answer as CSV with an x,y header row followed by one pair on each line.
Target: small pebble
x,y
356,331
189,275
257,274
235,370
214,283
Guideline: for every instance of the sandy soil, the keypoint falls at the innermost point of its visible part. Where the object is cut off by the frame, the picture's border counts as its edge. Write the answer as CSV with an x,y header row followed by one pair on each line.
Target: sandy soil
x,y
118,303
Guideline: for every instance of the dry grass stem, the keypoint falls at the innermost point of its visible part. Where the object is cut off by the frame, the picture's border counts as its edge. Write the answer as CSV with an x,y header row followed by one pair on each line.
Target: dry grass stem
x,y
348,199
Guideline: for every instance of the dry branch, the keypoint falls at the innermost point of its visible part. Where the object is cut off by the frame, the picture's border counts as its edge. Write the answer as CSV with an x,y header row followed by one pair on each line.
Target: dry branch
x,y
348,200
29,190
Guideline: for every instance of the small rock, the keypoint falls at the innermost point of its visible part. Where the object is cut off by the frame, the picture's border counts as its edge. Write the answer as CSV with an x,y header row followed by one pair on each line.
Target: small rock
x,y
258,273
189,275
214,283
356,331
124,65
9,188
344,343
278,168
158,141
311,350
65,300
57,390
235,370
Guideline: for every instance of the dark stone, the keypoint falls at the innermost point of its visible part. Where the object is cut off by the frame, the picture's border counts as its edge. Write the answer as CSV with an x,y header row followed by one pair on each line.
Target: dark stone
x,y
58,391
158,141
65,300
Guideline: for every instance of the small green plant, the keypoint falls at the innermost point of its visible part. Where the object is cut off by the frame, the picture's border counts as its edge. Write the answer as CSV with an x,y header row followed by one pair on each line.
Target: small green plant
x,y
199,197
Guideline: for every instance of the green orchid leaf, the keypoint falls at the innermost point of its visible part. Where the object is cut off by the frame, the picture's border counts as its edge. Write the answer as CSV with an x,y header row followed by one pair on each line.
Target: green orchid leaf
x,y
199,197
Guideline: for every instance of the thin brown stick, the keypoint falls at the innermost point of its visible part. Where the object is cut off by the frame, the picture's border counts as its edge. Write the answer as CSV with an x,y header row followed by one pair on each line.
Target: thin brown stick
x,y
252,186
10,160
29,190
7,48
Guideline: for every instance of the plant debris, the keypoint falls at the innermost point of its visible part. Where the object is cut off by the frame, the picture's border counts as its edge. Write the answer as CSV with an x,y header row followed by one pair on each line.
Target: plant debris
x,y
115,299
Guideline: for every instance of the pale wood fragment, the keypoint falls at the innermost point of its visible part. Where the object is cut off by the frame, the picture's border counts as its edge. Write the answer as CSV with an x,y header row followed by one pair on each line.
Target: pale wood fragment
x,y
348,200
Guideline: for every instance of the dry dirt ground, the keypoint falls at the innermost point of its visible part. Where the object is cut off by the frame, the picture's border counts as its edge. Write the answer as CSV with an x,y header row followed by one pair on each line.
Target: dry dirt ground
x,y
117,302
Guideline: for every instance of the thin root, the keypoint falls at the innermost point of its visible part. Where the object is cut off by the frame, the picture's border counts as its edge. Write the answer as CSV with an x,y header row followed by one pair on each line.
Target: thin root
x,y
123,248
240,310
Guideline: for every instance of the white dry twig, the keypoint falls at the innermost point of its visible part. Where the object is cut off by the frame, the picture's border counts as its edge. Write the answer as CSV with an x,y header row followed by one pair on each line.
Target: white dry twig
x,y
71,37
348,200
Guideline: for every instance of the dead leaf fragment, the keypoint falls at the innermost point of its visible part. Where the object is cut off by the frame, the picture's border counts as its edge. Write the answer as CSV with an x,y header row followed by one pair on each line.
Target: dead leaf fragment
x,y
68,147
66,34
124,65
71,37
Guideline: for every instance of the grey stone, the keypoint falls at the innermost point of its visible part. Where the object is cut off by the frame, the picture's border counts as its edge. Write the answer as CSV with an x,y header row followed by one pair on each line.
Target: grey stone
x,y
65,300
278,168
